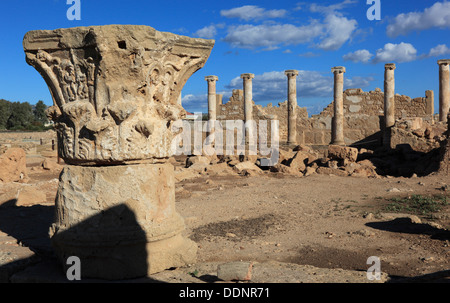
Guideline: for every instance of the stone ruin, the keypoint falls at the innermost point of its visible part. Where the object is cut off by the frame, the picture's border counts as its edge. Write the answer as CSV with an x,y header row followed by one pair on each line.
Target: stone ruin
x,y
363,117
400,129
116,90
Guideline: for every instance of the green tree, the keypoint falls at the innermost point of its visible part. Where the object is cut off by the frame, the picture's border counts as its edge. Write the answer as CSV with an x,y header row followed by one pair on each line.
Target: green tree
x,y
5,112
21,116
39,112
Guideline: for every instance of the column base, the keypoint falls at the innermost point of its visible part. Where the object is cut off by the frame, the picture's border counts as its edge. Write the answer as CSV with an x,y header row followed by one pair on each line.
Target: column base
x,y
120,221
126,260
337,143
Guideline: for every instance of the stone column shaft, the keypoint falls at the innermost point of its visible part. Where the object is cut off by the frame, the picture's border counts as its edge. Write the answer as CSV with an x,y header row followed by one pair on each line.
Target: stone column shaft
x,y
292,106
444,89
248,96
212,99
212,112
248,102
338,119
389,95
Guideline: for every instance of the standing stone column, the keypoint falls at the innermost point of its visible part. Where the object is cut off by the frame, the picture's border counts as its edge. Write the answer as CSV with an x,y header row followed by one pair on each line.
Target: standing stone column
x,y
389,95
115,91
337,135
248,102
212,99
444,89
212,111
292,105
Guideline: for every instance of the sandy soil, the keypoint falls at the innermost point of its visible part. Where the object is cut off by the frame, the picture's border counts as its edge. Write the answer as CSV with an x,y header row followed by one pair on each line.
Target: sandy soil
x,y
292,228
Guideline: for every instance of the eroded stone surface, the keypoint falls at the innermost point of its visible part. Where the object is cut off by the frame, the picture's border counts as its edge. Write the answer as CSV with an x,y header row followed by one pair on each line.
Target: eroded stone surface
x,y
115,88
120,220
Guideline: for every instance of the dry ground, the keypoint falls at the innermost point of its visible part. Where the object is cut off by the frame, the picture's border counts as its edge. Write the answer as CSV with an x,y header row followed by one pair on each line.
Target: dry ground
x,y
280,223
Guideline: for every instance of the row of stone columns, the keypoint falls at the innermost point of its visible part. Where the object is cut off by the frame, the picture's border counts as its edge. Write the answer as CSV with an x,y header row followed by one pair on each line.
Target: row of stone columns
x,y
337,131
248,100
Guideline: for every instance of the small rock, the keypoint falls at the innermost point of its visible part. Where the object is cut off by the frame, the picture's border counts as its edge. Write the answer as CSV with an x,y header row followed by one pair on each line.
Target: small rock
x,y
369,216
235,271
427,259
393,190
364,233
310,170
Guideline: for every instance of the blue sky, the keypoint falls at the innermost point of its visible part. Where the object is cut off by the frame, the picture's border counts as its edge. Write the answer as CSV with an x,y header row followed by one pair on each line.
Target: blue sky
x,y
263,37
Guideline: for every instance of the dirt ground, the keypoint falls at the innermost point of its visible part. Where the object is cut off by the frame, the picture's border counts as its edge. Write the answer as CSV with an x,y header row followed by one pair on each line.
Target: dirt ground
x,y
320,228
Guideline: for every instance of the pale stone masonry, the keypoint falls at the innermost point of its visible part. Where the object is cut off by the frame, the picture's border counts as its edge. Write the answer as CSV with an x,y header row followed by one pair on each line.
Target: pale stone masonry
x,y
212,98
389,94
292,105
444,89
337,136
115,90
212,107
248,101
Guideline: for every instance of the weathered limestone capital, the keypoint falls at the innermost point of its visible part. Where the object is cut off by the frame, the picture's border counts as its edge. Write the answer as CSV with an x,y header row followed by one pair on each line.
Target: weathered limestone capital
x,y
443,62
115,88
291,73
338,69
247,76
211,78
390,66
116,92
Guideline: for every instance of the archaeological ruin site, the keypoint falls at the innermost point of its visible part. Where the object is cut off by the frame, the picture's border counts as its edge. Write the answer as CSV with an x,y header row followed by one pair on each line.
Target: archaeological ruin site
x,y
368,176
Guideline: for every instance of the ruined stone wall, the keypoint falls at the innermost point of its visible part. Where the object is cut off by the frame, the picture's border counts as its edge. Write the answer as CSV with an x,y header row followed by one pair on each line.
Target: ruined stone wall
x,y
234,110
363,115
356,101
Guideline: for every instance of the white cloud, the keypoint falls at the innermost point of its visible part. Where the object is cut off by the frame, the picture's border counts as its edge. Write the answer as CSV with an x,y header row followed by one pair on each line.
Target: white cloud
x,y
249,12
254,36
362,55
315,8
190,99
338,31
332,34
357,82
272,86
403,52
439,50
207,32
438,15
309,55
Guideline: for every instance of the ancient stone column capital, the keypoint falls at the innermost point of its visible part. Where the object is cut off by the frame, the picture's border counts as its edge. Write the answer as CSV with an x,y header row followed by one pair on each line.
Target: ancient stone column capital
x,y
291,73
247,76
115,88
211,78
338,69
443,62
389,66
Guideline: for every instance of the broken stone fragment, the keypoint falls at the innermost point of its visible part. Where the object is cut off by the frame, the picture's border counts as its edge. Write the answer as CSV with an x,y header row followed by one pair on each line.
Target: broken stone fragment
x,y
235,271
13,166
337,152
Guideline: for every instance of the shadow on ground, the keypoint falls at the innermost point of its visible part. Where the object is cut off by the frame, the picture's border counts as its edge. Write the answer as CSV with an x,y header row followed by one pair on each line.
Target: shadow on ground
x,y
405,225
